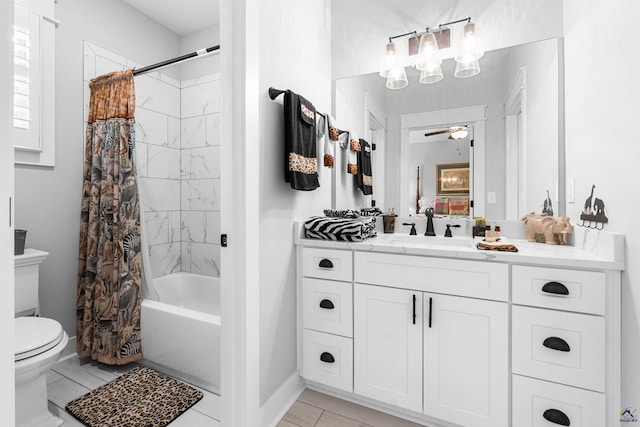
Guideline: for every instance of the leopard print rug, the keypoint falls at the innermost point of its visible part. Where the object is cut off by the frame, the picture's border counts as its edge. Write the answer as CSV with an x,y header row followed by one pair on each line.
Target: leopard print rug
x,y
140,398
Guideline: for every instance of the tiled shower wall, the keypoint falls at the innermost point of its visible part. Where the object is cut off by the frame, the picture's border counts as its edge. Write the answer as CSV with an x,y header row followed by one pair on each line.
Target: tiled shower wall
x,y
178,161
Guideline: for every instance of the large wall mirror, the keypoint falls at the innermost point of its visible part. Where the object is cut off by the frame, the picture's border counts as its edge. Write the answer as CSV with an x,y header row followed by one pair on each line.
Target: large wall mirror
x,y
514,116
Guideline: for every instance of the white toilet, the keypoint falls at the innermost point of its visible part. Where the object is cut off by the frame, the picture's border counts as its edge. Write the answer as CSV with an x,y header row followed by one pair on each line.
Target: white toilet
x,y
39,342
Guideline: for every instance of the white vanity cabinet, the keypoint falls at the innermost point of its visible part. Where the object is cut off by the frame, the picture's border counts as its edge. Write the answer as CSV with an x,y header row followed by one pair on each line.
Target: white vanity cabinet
x,y
464,338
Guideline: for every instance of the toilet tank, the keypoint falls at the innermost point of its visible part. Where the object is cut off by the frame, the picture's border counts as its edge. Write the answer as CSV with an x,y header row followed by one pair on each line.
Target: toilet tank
x,y
27,274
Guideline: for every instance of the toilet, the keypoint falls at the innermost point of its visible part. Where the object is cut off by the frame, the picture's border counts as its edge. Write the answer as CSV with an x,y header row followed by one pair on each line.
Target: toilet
x,y
39,342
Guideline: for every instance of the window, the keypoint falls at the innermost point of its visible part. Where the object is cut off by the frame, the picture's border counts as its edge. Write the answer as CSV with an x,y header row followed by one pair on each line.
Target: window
x,y
33,94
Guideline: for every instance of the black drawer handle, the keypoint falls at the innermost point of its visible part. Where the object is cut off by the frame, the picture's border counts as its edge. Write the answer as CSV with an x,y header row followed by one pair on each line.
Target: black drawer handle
x,y
557,417
555,288
556,343
325,263
327,357
325,303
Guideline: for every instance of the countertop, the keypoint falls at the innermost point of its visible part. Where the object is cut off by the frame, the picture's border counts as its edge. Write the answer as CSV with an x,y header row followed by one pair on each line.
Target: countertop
x,y
594,249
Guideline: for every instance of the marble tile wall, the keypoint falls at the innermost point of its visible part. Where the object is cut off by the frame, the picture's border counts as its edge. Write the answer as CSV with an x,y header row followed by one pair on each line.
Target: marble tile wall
x,y
178,160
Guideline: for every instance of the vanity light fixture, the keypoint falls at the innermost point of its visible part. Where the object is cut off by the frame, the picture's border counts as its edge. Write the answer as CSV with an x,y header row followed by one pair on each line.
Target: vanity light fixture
x,y
424,52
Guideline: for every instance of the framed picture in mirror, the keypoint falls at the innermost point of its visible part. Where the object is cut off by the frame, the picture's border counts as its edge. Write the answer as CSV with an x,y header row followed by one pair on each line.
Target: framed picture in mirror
x,y
452,179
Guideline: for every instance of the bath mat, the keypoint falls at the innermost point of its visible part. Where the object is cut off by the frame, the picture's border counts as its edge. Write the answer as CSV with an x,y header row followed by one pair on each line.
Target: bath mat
x,y
140,398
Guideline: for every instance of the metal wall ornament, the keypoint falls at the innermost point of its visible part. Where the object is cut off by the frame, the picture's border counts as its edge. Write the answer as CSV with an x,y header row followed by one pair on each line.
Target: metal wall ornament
x,y
593,213
547,207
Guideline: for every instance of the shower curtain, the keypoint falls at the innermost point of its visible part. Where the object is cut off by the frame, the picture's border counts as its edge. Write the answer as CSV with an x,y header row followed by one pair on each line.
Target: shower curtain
x,y
110,261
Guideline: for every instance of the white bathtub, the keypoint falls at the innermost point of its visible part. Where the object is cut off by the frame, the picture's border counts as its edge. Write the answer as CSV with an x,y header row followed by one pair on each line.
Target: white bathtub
x,y
181,332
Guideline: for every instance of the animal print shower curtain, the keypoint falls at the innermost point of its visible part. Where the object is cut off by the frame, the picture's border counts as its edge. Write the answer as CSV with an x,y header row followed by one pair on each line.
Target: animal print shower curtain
x,y
110,262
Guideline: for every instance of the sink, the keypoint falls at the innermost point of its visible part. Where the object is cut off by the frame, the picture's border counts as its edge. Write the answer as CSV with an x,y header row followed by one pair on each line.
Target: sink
x,y
425,241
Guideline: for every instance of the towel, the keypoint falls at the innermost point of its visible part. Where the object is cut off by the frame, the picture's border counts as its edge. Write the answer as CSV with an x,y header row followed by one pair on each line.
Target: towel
x,y
324,139
352,154
301,163
501,244
341,229
364,180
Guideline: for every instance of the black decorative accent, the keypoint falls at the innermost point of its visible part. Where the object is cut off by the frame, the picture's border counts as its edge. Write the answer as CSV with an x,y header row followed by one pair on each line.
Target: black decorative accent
x,y
413,228
325,303
557,417
593,215
327,357
555,288
325,263
556,343
274,93
224,240
430,309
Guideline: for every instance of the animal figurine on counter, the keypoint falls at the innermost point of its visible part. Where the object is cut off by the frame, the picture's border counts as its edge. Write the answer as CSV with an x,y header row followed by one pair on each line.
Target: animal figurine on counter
x,y
554,229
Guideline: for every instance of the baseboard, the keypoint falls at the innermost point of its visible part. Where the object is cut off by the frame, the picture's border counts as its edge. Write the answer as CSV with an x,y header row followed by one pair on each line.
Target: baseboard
x,y
281,400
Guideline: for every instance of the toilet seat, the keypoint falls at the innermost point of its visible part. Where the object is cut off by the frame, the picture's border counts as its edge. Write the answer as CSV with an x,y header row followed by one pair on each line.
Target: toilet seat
x,y
36,335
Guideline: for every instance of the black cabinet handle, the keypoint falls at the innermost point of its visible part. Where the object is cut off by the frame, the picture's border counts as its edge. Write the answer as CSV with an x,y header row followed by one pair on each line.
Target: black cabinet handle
x,y
327,357
414,309
325,303
325,263
556,288
556,343
430,306
557,417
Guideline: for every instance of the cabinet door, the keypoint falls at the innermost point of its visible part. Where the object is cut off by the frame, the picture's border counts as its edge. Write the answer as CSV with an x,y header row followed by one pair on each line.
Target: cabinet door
x,y
387,345
466,365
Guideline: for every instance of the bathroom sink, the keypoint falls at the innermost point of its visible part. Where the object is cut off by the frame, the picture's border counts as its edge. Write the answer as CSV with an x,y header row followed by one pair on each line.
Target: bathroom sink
x,y
426,241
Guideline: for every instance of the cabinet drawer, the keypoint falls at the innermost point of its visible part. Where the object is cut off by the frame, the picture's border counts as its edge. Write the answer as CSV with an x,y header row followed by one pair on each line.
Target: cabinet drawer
x,y
327,264
572,290
536,403
327,306
562,347
328,359
477,279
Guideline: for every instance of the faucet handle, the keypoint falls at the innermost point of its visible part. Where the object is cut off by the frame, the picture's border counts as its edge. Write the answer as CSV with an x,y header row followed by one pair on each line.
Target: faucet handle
x,y
447,233
413,228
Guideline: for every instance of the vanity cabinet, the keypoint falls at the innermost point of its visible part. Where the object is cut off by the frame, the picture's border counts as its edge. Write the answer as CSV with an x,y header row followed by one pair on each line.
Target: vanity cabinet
x,y
459,341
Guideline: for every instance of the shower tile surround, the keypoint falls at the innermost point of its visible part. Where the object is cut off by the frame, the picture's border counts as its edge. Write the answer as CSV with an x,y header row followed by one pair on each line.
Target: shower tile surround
x,y
178,160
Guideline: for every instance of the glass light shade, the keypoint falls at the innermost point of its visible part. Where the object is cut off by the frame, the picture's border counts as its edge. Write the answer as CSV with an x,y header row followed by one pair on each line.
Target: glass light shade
x,y
428,53
459,133
431,75
397,78
469,47
390,60
467,69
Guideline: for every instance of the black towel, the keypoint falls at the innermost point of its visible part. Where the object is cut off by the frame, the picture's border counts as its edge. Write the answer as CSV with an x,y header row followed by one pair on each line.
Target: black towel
x,y
364,180
301,161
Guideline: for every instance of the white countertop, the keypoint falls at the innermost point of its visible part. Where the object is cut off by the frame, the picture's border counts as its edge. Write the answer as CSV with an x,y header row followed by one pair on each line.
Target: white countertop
x,y
596,250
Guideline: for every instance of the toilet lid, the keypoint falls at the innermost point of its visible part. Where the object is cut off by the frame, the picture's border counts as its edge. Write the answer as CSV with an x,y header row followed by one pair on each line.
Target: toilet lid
x,y
35,335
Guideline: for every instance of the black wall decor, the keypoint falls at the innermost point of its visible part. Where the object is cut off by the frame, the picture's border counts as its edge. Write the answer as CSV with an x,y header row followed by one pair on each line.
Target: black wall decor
x,y
593,214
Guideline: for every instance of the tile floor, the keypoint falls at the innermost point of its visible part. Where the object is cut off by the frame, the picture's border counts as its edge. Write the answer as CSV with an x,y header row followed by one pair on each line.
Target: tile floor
x,y
314,409
73,377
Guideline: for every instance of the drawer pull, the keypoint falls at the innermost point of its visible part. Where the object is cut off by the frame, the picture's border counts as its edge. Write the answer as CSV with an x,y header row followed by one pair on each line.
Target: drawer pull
x,y
557,417
555,288
325,303
325,263
414,309
556,343
327,357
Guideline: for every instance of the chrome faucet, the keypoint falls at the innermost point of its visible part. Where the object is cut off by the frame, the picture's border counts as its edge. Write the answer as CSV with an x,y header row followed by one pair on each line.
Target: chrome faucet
x,y
429,213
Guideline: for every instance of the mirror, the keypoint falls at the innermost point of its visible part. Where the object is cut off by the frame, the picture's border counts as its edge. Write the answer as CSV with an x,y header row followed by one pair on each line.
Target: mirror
x,y
513,109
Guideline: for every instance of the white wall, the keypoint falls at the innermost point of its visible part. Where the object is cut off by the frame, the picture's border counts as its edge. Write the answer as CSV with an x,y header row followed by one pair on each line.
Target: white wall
x,y
201,39
295,53
602,94
48,200
362,27
7,371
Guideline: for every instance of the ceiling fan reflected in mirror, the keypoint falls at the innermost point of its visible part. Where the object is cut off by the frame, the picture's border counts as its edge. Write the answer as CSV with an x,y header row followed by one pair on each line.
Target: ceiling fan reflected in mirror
x,y
455,132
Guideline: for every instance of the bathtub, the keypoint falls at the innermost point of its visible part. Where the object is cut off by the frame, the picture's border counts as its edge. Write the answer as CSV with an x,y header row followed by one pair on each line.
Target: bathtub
x,y
181,332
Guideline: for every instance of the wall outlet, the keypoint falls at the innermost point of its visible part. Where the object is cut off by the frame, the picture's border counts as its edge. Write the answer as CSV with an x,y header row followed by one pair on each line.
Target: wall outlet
x,y
491,197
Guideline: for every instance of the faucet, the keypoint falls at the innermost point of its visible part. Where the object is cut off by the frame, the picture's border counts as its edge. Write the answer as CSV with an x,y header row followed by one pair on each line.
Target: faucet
x,y
413,228
429,213
447,233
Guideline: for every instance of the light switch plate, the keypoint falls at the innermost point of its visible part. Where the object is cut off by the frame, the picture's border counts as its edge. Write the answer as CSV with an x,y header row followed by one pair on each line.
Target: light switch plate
x,y
491,197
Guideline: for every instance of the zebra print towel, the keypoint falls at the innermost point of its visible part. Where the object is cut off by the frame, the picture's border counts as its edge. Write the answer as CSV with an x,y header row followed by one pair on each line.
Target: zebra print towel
x,y
344,229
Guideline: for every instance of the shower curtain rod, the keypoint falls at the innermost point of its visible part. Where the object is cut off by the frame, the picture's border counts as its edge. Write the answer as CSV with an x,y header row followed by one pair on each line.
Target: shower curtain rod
x,y
174,60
